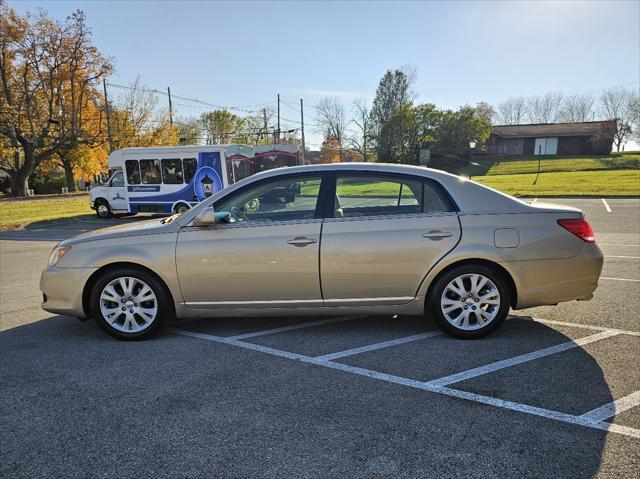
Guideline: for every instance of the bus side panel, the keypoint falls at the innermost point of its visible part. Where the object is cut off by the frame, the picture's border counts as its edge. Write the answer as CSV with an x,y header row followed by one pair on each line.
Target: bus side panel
x,y
208,178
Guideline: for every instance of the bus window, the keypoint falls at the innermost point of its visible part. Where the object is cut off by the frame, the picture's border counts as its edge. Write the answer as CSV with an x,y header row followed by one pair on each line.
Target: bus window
x,y
133,172
189,165
150,170
172,171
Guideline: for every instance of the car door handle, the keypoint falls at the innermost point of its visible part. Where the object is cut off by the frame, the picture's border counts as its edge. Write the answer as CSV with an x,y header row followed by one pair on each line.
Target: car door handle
x,y
437,235
301,241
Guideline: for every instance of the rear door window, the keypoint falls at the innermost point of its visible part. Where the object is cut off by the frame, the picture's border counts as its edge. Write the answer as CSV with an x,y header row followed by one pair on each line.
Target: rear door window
x,y
377,195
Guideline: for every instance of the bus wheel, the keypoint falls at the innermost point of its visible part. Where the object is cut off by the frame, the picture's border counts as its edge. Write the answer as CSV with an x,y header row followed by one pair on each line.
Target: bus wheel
x,y
180,208
102,210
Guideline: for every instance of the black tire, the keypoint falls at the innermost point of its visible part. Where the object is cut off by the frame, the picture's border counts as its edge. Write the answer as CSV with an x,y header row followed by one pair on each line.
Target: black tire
x,y
163,297
181,208
103,210
434,301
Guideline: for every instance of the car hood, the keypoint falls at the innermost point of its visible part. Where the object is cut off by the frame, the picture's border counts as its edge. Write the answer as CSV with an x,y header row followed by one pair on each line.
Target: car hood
x,y
136,228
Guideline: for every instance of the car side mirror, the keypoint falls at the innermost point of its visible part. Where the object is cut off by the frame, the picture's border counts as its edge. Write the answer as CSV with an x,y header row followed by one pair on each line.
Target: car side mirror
x,y
207,217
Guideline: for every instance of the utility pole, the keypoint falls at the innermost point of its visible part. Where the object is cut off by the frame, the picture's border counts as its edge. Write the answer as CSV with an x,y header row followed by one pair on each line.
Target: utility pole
x,y
170,107
278,133
302,127
108,112
265,126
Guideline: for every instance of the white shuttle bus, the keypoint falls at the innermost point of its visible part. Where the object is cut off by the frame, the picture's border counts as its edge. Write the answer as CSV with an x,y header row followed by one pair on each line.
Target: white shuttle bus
x,y
170,180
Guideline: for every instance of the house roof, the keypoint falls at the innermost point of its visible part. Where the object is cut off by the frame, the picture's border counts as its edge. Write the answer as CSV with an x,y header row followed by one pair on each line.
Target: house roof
x,y
585,128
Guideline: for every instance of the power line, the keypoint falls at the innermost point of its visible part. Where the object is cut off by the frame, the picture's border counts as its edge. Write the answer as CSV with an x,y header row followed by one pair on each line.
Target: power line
x,y
244,108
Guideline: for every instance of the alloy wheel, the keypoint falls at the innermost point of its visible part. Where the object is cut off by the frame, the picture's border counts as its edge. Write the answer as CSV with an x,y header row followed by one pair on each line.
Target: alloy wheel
x,y
470,302
128,304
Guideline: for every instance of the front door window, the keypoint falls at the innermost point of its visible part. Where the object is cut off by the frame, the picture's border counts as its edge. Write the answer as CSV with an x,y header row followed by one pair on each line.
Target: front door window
x,y
292,198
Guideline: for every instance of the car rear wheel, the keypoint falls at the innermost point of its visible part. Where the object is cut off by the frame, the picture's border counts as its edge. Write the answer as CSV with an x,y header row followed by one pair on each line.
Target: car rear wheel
x,y
180,208
103,210
130,304
469,301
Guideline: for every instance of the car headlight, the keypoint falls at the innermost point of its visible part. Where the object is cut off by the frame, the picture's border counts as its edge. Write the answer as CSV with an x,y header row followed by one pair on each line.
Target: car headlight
x,y
57,254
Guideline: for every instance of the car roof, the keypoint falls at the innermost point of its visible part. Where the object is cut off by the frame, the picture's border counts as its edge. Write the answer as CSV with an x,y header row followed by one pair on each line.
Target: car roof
x,y
361,166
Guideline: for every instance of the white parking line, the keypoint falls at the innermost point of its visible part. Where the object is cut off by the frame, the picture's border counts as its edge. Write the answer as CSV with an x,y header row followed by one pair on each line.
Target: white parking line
x,y
627,257
240,344
523,358
425,386
613,408
612,244
620,279
376,346
293,327
580,325
606,205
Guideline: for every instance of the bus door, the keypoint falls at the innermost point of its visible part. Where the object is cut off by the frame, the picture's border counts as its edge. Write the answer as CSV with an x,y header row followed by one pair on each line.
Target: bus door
x,y
117,193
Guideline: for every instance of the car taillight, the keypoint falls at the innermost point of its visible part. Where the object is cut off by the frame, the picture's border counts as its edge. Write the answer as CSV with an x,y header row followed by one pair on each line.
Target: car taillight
x,y
581,228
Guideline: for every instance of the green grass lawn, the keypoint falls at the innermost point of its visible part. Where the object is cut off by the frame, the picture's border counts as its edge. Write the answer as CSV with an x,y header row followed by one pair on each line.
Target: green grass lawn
x,y
17,213
530,165
596,183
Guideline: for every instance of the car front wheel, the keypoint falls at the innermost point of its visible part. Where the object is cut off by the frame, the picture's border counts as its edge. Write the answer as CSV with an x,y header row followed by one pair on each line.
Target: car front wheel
x,y
469,301
130,304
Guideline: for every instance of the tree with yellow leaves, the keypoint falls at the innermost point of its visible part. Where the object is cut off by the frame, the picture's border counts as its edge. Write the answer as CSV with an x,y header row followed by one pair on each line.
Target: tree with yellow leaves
x,y
49,73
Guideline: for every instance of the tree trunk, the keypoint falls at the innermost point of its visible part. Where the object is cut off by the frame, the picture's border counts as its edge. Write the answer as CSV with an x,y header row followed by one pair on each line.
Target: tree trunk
x,y
68,173
20,183
20,178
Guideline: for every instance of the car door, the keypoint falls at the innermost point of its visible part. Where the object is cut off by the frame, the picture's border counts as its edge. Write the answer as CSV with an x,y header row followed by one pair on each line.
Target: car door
x,y
385,233
117,192
264,255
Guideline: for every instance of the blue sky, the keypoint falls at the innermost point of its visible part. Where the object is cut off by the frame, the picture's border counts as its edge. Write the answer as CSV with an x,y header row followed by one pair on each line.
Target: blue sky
x,y
243,53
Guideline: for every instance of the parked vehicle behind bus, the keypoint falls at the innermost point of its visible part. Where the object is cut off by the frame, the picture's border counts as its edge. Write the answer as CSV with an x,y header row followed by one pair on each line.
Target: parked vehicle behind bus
x,y
170,180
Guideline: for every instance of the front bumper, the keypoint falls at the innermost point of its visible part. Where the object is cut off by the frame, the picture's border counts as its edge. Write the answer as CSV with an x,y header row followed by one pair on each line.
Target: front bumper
x,y
548,282
62,290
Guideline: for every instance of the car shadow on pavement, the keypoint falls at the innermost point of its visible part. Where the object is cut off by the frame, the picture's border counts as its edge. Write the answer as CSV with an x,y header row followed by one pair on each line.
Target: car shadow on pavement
x,y
76,402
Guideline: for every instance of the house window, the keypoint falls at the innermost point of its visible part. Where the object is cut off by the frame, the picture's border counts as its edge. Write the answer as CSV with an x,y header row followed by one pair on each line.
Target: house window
x,y
546,146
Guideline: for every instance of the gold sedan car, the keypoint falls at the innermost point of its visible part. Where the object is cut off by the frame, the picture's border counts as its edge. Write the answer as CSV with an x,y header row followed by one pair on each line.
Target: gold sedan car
x,y
330,240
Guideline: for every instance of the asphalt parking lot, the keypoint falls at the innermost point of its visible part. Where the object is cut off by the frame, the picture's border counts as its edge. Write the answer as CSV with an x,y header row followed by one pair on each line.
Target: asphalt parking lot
x,y
553,393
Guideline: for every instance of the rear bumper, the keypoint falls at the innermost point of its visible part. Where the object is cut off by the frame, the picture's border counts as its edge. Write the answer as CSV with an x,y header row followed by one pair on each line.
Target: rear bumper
x,y
546,282
62,290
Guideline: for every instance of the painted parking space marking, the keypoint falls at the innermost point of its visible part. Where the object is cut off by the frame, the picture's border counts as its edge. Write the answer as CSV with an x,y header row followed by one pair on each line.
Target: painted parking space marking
x,y
620,279
430,386
580,325
241,344
606,205
293,327
619,244
626,257
523,358
616,407
376,346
